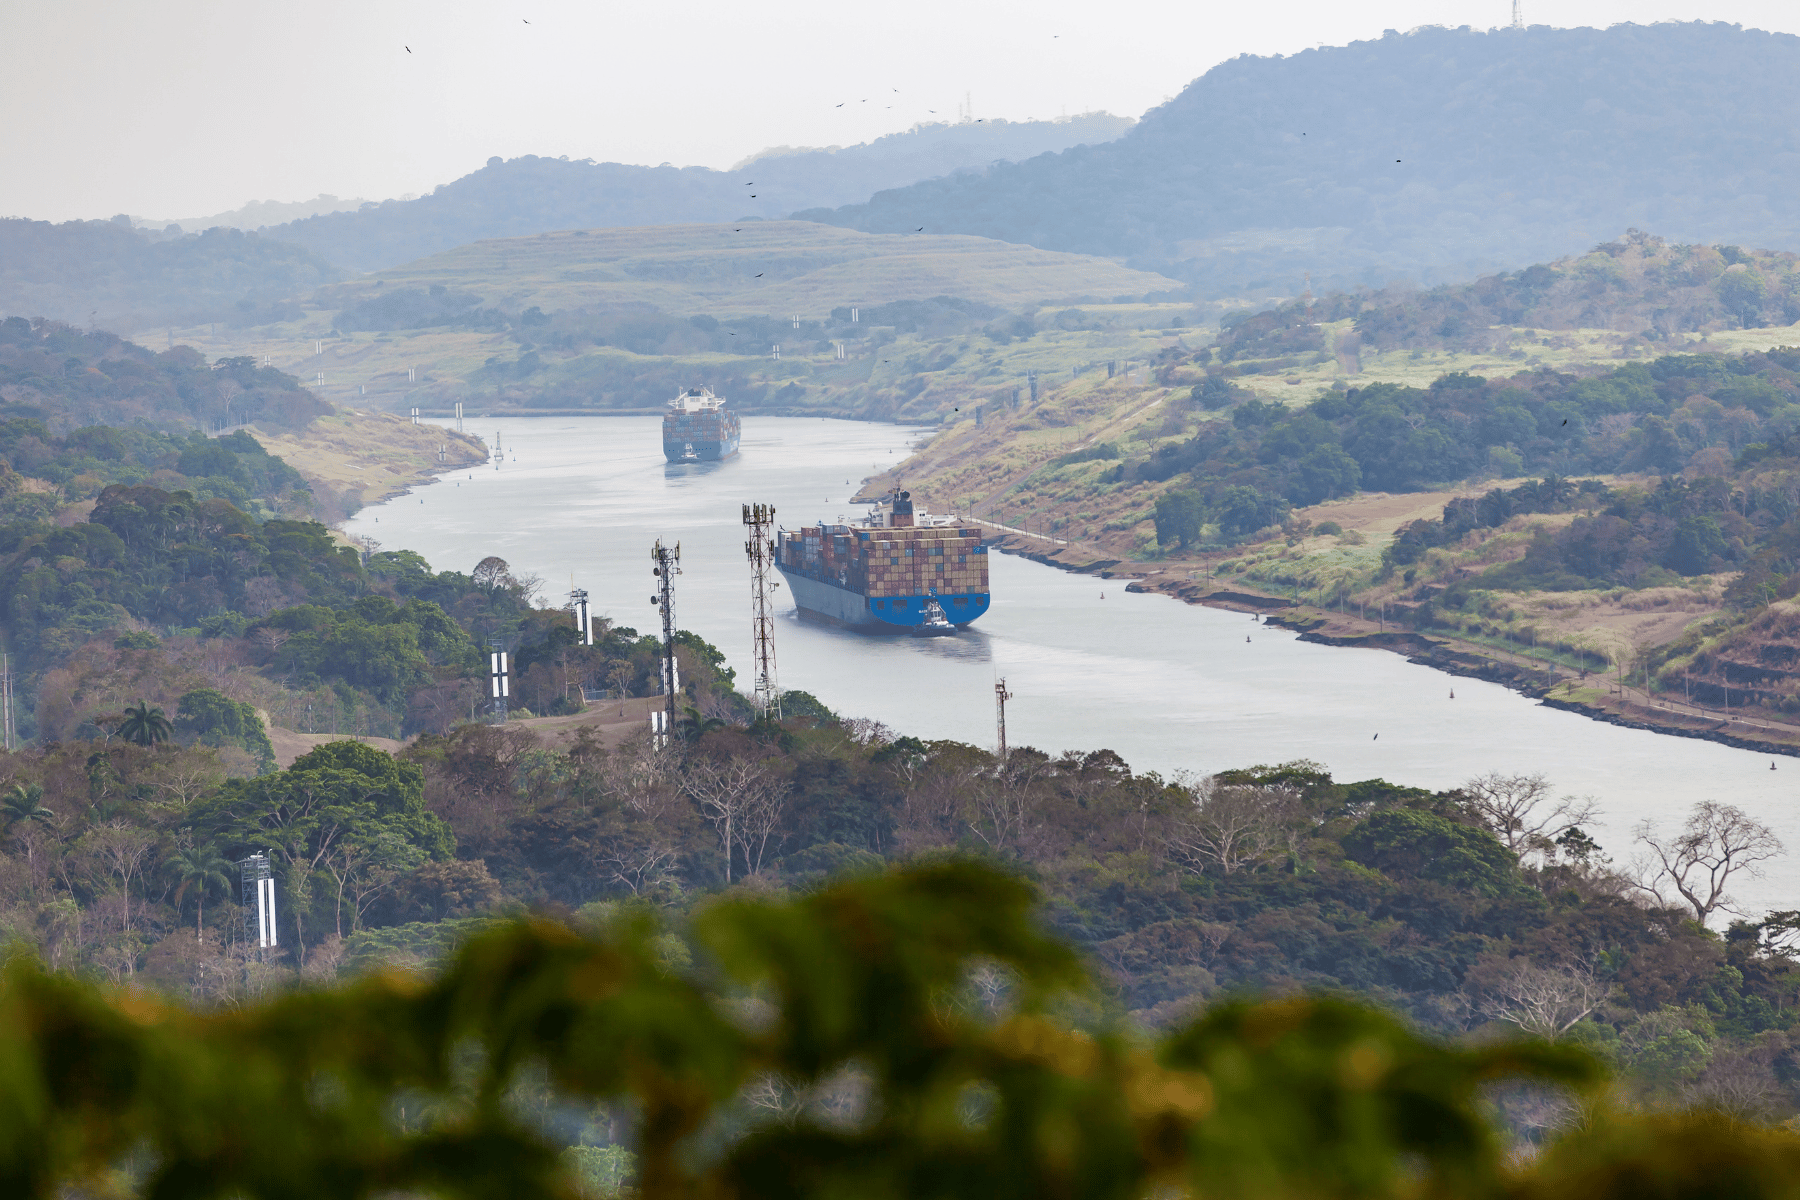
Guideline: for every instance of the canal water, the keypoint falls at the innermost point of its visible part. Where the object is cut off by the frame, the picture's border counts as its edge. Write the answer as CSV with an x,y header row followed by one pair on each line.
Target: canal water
x,y
1169,686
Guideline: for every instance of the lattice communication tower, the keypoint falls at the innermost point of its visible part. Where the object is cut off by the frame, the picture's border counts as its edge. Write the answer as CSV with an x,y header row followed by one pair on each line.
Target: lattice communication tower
x,y
1001,696
667,565
759,519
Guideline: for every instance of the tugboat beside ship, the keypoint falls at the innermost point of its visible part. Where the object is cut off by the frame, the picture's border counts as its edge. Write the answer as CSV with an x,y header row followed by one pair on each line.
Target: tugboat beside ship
x,y
900,571
696,428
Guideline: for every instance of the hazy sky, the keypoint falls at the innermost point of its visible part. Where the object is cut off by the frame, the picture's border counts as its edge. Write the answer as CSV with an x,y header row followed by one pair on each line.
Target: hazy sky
x,y
178,108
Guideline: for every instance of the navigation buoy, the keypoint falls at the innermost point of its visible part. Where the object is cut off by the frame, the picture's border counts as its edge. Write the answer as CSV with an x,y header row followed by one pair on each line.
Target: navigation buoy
x,y
1771,766
1376,738
1453,693
1246,637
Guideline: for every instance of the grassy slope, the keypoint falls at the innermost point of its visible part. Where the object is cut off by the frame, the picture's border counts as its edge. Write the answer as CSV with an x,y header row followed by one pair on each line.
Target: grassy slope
x,y
358,458
803,267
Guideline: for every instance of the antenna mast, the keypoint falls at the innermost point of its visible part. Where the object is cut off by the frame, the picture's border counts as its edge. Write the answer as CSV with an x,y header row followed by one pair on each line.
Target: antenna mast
x,y
668,565
1001,696
760,549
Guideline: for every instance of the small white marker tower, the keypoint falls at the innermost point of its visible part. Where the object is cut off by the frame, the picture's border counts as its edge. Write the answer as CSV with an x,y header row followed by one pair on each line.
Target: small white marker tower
x,y
258,888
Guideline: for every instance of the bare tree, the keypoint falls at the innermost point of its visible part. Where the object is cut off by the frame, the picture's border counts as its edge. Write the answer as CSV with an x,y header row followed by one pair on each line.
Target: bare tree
x,y
866,731
123,851
999,812
1718,841
1543,1001
1522,812
1233,827
743,800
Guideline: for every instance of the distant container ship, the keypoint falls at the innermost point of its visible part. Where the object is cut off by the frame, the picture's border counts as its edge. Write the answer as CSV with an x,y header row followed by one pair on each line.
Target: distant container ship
x,y
897,572
698,429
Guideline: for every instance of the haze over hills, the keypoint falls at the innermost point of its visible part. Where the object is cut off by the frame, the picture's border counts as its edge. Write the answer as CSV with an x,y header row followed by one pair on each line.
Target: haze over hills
x,y
529,195
1435,155
759,267
257,213
107,274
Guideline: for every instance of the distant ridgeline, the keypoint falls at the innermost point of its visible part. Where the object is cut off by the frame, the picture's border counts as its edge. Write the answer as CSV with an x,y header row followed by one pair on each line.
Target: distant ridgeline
x,y
109,274
529,194
1691,413
59,374
1430,156
1638,285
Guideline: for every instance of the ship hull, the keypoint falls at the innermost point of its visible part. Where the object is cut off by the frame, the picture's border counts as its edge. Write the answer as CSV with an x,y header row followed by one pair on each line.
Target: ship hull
x,y
708,451
891,614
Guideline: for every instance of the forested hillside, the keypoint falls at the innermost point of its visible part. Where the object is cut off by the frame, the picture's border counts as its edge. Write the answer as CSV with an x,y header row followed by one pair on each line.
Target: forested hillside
x,y
108,274
1483,906
1430,156
1639,287
56,373
529,195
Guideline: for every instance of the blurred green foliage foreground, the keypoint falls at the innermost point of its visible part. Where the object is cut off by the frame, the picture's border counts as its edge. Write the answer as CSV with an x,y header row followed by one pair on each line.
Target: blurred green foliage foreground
x,y
924,1035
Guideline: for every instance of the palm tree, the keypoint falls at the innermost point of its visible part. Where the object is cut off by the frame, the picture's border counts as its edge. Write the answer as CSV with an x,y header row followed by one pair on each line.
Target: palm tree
x,y
201,868
145,725
24,803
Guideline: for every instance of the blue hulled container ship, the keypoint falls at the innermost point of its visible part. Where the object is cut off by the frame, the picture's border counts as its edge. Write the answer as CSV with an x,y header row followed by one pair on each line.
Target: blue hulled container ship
x,y
698,429
898,572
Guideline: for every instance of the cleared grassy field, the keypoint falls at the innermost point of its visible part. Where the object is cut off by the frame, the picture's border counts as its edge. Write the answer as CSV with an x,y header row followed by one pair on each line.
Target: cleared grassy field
x,y
759,267
1558,349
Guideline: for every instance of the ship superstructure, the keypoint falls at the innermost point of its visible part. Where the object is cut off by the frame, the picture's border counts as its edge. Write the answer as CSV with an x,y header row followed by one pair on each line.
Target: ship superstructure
x,y
697,428
899,571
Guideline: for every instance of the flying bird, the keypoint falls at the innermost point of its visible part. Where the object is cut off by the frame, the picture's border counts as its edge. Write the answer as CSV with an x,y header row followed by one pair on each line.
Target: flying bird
x,y
920,229
527,22
1376,738
840,106
409,49
759,274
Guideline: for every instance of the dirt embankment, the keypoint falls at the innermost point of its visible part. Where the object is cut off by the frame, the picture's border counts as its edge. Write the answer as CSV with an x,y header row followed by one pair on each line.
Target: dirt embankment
x,y
352,459
1550,683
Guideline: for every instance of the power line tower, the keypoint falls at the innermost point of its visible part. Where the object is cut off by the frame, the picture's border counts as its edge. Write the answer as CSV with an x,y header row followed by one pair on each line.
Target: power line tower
x,y
1001,696
759,519
667,565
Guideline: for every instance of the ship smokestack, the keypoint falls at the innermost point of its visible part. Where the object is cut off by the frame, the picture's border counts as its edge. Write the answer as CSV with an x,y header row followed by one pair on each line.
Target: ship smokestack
x,y
902,516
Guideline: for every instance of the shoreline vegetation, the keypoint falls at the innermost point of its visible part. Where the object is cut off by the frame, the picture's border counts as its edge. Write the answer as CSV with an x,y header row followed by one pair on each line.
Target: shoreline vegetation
x,y
1552,683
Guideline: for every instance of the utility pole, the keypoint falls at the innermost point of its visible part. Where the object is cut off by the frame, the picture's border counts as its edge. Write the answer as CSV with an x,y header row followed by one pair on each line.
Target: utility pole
x,y
667,565
760,549
1001,696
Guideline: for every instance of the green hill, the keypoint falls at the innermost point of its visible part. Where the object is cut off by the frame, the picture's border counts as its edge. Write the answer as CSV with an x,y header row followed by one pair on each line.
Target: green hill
x,y
532,194
755,267
1432,156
